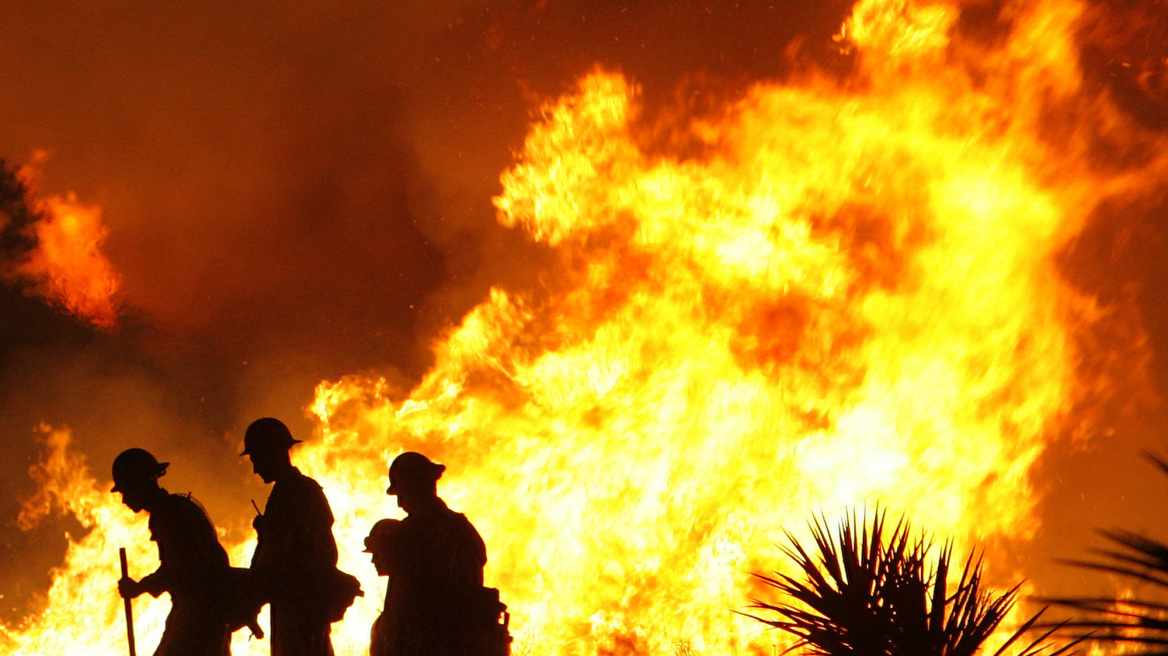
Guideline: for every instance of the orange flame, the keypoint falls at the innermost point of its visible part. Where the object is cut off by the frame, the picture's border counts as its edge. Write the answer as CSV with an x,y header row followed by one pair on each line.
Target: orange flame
x,y
82,609
68,267
849,296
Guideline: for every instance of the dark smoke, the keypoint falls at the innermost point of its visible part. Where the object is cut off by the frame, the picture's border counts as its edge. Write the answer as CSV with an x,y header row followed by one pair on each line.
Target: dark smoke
x,y
296,193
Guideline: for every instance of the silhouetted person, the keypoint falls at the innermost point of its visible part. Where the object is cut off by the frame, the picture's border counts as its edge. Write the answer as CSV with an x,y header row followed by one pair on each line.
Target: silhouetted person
x,y
296,552
386,555
192,562
437,569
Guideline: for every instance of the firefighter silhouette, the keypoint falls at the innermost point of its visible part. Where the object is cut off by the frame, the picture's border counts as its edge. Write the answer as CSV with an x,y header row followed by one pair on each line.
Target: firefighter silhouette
x,y
294,564
436,605
192,562
386,556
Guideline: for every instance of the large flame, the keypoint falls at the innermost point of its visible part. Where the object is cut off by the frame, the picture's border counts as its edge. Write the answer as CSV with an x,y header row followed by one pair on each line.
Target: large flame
x,y
828,296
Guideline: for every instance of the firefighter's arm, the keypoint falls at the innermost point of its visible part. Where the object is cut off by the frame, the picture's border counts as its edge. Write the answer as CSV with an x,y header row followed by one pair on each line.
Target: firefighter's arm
x,y
154,584
129,588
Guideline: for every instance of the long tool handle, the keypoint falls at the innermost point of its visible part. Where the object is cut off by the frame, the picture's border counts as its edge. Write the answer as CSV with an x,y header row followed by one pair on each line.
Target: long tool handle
x,y
129,610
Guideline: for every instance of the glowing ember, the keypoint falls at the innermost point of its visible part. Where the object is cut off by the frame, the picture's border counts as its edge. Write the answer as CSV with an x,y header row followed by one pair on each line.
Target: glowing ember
x,y
840,296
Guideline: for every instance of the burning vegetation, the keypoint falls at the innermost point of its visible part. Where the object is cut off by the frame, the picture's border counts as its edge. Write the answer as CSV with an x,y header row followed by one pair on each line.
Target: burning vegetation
x,y
52,247
825,294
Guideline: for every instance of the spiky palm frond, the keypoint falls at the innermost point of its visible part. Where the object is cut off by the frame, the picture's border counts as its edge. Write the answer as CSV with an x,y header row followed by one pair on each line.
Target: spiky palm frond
x,y
1142,624
868,591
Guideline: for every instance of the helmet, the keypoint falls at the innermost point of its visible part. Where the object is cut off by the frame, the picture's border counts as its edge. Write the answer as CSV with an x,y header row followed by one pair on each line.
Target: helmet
x,y
380,534
410,471
136,466
266,435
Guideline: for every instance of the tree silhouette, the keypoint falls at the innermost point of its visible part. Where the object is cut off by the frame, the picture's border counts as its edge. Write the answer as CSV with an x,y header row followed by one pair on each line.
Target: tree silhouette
x,y
1139,624
863,591
15,215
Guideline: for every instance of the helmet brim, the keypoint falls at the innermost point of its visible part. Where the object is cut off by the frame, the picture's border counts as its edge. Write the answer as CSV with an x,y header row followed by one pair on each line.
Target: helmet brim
x,y
294,442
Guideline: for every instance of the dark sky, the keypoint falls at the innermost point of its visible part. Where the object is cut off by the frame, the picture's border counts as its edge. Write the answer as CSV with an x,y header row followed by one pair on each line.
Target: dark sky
x,y
298,193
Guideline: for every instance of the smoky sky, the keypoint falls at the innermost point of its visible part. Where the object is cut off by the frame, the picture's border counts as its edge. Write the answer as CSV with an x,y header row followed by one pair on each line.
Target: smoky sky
x,y
296,193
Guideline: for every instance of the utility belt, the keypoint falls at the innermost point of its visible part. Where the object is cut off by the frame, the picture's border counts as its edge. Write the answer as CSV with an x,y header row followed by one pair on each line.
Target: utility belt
x,y
485,623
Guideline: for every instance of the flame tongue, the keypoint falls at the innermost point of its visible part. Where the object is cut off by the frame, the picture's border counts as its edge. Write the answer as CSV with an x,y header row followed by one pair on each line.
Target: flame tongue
x,y
69,263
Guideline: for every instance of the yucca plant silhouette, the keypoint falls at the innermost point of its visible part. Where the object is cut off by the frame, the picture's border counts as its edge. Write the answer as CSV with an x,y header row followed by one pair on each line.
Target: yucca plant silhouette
x,y
864,591
1139,625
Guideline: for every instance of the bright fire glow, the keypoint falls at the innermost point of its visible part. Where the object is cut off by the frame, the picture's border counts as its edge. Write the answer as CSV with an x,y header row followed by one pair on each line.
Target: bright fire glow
x,y
847,296
68,267
82,607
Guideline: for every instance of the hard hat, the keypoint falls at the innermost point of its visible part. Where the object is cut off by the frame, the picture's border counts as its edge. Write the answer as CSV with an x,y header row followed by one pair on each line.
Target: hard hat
x,y
412,470
136,466
267,435
380,534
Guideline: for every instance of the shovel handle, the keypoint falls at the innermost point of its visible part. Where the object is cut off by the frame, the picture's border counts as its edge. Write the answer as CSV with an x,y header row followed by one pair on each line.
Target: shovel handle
x,y
129,610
